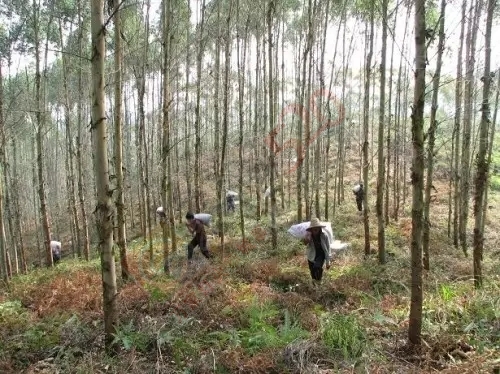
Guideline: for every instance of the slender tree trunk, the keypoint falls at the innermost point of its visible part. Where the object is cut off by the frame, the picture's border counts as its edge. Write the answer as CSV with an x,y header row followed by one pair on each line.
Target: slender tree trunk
x,y
272,153
482,164
468,122
431,134
366,118
225,118
166,185
257,162
417,176
3,239
187,132
104,208
456,129
79,156
490,148
197,144
15,188
216,114
241,61
381,126
70,152
40,132
120,199
389,124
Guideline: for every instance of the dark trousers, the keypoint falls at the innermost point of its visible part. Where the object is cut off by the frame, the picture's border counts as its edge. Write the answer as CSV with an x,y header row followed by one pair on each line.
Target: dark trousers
x,y
359,203
56,258
200,241
316,270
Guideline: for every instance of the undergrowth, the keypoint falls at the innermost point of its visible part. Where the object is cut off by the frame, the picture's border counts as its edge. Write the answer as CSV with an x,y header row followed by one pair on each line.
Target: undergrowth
x,y
256,311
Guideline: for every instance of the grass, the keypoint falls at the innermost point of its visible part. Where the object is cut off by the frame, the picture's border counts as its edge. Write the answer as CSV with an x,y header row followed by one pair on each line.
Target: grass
x,y
255,312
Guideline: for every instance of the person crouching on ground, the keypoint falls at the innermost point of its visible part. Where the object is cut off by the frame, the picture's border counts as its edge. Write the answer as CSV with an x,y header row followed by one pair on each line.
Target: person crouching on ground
x,y
197,229
318,250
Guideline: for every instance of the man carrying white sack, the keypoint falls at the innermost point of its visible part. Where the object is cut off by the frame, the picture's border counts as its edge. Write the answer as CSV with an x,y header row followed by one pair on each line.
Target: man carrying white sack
x,y
318,250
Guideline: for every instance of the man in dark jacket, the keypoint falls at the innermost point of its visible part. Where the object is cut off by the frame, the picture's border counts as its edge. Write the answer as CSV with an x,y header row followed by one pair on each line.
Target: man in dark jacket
x,y
359,194
197,229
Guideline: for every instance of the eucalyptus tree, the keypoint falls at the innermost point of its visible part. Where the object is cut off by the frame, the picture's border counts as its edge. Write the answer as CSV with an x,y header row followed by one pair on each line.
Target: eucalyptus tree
x,y
3,239
241,64
104,208
82,34
482,165
471,38
417,177
381,132
271,8
136,28
459,87
116,11
366,113
431,135
166,186
201,43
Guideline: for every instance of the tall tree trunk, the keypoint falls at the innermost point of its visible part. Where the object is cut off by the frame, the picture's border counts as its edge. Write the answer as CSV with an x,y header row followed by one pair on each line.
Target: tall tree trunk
x,y
104,208
417,175
399,139
40,132
272,153
389,124
17,206
366,118
166,185
490,148
241,61
119,190
431,134
217,157
459,87
474,14
381,159
482,164
3,239
187,131
225,118
70,152
79,156
197,144
257,163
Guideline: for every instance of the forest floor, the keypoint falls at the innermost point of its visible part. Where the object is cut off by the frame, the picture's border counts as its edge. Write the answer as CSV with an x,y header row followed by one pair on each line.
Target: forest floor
x,y
253,311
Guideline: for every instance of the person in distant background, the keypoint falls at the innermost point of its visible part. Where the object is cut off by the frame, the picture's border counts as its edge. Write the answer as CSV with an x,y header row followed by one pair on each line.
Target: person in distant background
x,y
318,250
230,203
359,194
55,248
161,213
197,229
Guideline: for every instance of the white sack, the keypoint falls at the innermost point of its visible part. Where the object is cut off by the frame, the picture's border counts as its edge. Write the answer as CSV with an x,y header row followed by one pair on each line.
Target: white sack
x,y
55,246
299,230
231,193
204,217
159,210
356,188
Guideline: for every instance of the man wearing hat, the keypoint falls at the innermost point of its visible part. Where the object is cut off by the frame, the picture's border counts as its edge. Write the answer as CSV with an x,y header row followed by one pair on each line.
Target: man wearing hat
x,y
318,250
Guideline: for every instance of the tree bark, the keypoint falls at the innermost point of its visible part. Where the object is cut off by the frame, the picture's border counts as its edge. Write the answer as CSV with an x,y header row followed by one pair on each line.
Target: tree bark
x,y
104,208
79,156
417,175
3,240
431,134
366,118
119,199
482,166
39,140
381,127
